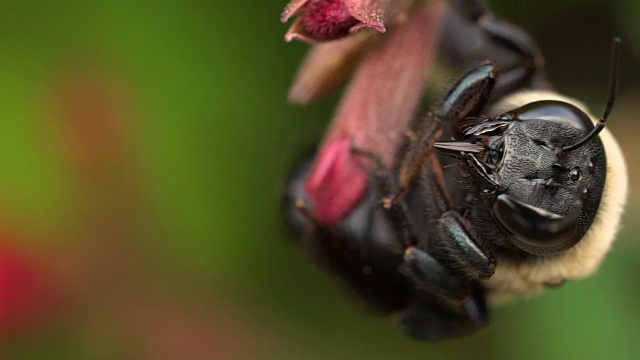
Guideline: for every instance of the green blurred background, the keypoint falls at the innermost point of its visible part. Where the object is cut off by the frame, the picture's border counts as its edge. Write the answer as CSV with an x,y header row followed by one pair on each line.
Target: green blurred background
x,y
144,148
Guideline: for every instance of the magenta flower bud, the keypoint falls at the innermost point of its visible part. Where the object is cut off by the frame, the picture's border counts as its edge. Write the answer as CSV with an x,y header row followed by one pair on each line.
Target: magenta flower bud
x,y
327,19
337,182
324,20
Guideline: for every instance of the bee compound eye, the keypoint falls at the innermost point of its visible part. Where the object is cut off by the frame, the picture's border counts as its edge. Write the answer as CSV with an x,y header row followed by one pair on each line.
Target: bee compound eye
x,y
556,111
536,230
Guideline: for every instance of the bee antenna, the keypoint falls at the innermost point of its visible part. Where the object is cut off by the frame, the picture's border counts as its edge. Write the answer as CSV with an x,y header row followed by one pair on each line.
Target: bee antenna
x,y
611,97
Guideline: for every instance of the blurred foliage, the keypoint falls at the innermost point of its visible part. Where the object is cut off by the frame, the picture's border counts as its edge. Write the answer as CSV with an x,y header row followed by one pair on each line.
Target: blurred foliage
x,y
168,242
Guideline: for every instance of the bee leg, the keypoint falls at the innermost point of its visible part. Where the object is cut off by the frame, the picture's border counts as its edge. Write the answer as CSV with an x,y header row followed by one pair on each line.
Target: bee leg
x,y
425,272
455,243
510,37
449,302
518,41
362,249
467,98
427,262
438,304
444,306
425,320
398,212
429,275
462,249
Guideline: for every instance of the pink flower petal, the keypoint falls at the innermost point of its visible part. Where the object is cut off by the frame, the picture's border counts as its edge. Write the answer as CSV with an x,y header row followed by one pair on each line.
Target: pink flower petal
x,y
326,67
337,182
297,31
369,12
375,13
292,8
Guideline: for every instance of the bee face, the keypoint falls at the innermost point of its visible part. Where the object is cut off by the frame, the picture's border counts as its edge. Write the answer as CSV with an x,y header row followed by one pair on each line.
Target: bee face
x,y
603,158
543,195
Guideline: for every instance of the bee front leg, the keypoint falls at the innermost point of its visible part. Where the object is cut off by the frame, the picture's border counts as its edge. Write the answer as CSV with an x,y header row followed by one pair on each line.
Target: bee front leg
x,y
467,98
526,59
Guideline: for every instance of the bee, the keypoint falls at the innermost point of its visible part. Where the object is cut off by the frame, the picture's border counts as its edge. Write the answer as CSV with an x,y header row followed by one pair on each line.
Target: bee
x,y
504,189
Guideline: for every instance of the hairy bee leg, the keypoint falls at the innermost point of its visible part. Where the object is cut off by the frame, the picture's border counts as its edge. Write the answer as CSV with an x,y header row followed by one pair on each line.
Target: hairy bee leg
x,y
398,213
456,243
419,150
425,272
462,248
511,38
518,41
428,274
435,188
425,321
458,254
467,98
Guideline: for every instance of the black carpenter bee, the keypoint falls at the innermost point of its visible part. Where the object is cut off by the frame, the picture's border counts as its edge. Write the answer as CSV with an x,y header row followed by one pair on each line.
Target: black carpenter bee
x,y
504,189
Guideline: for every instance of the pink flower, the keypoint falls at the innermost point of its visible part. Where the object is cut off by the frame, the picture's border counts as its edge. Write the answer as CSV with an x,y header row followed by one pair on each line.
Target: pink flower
x,y
322,20
388,76
26,291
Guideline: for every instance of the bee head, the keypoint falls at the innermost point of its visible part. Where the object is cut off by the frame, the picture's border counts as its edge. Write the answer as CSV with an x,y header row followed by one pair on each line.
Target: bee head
x,y
540,169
